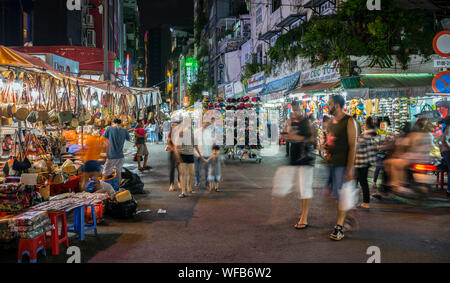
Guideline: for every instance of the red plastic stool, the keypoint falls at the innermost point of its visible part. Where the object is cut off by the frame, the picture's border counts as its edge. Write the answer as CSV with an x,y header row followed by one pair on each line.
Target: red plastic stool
x,y
440,179
31,247
98,213
56,239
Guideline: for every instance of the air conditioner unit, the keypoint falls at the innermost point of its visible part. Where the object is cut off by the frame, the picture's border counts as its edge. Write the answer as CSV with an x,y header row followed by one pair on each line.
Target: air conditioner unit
x,y
91,38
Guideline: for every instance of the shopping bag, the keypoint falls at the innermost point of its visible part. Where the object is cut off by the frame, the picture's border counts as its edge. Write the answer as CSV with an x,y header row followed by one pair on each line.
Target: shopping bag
x,y
348,196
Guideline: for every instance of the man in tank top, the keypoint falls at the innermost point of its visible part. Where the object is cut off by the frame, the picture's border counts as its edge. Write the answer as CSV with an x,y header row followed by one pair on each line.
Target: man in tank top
x,y
341,146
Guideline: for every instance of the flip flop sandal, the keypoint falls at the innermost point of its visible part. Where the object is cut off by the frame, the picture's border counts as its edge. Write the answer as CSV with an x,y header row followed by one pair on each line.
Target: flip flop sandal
x,y
301,226
181,196
147,168
362,207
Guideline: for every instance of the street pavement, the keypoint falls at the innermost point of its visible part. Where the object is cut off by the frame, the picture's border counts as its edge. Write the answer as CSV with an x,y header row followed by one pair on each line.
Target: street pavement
x,y
245,223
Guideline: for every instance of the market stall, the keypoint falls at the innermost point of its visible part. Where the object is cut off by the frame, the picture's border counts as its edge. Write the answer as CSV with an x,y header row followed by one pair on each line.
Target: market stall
x,y
47,121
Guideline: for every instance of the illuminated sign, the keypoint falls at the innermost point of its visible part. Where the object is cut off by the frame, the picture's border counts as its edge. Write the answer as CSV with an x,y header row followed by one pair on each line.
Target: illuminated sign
x,y
191,66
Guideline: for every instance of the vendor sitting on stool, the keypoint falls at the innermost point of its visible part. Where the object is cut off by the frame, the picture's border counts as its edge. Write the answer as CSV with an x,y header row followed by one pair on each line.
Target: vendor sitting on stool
x,y
90,180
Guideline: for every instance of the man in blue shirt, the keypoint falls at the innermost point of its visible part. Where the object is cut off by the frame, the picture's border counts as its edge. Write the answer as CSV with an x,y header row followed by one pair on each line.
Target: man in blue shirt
x,y
116,136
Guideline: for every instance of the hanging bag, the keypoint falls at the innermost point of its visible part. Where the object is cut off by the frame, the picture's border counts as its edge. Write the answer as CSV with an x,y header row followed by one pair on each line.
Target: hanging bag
x,y
65,115
42,114
53,103
32,116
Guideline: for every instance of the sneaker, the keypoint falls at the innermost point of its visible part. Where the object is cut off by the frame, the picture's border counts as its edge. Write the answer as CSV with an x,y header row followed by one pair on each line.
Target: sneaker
x,y
338,233
197,184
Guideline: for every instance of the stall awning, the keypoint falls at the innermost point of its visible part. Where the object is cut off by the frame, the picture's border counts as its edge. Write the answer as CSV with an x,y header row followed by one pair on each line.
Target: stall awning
x,y
387,81
280,85
316,87
13,58
291,19
387,85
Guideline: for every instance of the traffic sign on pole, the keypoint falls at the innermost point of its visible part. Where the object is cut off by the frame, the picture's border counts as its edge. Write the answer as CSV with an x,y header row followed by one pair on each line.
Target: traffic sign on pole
x,y
441,43
441,82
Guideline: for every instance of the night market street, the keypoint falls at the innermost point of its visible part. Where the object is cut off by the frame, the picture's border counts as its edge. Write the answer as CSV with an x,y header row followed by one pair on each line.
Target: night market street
x,y
243,223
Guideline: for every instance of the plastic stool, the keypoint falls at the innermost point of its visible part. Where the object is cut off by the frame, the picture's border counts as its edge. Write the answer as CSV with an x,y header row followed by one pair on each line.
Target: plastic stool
x,y
80,227
31,247
98,213
56,239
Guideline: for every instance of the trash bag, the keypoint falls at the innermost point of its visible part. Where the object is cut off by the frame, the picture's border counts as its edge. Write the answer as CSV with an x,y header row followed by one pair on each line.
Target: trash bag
x,y
122,210
132,182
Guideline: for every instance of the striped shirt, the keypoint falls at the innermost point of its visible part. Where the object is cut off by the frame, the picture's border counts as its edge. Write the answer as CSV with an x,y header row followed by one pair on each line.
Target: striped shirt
x,y
365,150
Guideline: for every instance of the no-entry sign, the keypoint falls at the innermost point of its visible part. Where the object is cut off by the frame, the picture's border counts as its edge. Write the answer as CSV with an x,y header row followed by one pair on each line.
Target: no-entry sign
x,y
441,43
441,82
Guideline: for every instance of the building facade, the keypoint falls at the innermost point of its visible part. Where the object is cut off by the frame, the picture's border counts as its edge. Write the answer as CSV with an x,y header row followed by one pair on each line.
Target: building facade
x,y
49,26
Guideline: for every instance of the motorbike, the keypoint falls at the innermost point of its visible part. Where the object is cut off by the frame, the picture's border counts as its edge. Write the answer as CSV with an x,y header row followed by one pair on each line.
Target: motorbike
x,y
420,188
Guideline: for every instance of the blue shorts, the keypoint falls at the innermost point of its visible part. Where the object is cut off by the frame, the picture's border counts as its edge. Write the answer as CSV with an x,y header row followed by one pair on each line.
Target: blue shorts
x,y
92,166
337,175
213,179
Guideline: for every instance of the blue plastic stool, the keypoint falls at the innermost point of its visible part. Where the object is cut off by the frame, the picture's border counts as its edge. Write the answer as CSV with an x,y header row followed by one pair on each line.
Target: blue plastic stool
x,y
114,181
80,227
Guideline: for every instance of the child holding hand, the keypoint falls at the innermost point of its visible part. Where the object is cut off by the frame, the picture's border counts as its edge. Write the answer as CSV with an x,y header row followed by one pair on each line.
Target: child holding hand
x,y
214,172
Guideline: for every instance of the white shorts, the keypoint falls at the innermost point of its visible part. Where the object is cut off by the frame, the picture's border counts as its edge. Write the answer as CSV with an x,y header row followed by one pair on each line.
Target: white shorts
x,y
112,164
286,176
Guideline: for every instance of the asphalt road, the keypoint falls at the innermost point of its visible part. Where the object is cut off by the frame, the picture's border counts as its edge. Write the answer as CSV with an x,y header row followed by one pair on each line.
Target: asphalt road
x,y
244,223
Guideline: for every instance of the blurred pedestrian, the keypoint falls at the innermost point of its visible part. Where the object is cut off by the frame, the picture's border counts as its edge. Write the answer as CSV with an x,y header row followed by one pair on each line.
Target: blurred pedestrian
x,y
173,162
341,146
116,136
183,138
327,190
204,141
152,129
140,143
166,130
301,169
365,157
445,146
214,169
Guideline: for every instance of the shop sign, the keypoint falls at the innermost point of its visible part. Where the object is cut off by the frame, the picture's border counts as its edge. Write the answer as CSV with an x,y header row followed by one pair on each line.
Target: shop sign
x,y
191,66
61,64
441,82
273,96
324,73
442,63
229,91
221,91
255,82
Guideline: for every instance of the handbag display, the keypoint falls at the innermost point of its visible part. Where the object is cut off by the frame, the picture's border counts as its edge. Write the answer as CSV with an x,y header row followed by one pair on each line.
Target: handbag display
x,y
429,113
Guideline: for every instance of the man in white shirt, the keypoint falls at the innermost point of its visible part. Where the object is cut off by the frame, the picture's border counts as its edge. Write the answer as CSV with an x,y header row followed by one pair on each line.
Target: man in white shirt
x,y
204,140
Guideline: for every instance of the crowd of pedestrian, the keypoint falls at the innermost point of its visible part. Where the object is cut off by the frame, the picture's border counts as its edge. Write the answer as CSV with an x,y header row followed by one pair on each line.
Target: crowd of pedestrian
x,y
350,149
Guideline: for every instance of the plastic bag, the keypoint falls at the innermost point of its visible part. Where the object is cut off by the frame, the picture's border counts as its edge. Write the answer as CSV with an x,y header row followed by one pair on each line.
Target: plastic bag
x,y
348,196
